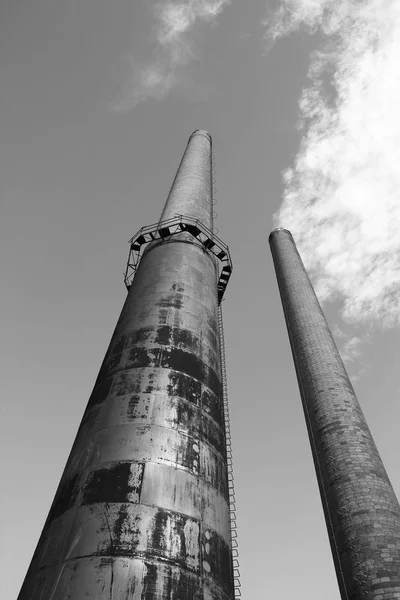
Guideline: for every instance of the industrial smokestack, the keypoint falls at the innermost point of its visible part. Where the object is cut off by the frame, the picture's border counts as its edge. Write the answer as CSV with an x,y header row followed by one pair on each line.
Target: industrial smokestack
x,y
361,511
142,509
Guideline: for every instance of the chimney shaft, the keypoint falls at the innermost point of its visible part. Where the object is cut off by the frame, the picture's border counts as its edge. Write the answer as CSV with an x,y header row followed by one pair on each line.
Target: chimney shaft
x,y
361,510
142,509
191,192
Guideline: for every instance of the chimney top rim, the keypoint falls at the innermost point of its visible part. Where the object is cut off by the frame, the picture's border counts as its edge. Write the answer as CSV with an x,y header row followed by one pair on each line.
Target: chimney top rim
x,y
278,229
201,132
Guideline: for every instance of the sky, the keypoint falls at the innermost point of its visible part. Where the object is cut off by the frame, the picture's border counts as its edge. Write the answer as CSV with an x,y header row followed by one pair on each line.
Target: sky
x,y
97,101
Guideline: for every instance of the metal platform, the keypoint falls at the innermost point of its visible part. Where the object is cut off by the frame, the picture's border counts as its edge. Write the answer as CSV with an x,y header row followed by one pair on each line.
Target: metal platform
x,y
164,231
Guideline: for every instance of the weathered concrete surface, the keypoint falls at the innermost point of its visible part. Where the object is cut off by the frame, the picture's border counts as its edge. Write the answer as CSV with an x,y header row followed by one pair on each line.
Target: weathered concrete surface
x,y
142,508
142,512
361,510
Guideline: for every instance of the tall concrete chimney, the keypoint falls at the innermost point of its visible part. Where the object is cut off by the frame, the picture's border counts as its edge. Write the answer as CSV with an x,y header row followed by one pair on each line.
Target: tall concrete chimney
x,y
361,511
142,509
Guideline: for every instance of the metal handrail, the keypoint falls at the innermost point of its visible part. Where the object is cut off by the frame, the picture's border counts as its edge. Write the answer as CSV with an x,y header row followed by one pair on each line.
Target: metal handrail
x,y
164,230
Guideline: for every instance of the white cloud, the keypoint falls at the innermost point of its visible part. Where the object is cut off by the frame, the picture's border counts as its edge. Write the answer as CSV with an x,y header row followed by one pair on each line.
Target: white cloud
x,y
342,194
174,21
351,349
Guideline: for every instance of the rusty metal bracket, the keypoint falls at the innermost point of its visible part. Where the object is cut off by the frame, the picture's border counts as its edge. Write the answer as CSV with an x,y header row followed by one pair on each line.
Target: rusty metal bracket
x,y
164,231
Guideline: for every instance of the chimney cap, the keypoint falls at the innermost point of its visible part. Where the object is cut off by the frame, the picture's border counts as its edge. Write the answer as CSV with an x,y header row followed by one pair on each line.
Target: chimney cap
x,y
201,132
276,230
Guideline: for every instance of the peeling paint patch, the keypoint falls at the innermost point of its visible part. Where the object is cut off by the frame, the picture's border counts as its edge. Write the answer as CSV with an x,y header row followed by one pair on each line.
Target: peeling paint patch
x,y
125,383
163,335
190,364
138,357
178,337
175,536
216,562
191,533
117,483
186,455
138,407
187,416
213,469
212,405
167,582
150,387
126,533
180,491
183,415
206,566
133,405
176,359
163,316
184,387
135,482
212,434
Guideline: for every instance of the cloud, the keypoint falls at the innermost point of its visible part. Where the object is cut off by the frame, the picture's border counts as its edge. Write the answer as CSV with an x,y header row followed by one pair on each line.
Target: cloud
x,y
341,196
351,349
173,50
